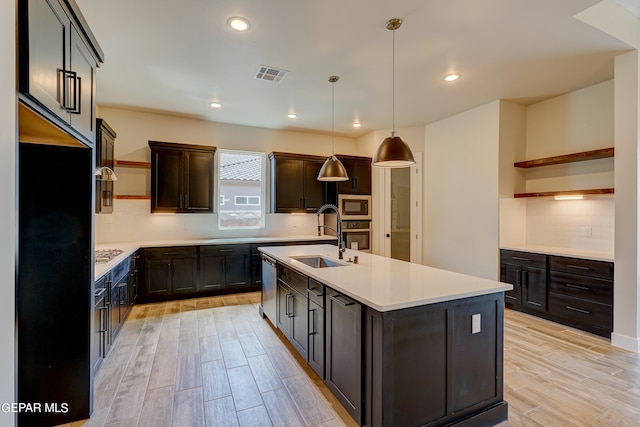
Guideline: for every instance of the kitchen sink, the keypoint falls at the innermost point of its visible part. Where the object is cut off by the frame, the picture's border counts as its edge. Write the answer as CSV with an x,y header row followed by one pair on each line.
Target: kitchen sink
x,y
318,261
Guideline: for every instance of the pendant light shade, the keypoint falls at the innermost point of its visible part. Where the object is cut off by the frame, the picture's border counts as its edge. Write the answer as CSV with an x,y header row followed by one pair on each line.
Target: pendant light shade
x,y
332,170
393,152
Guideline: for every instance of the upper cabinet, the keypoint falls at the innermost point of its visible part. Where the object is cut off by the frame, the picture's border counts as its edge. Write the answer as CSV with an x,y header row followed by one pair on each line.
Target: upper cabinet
x,y
105,142
58,57
359,171
294,183
181,178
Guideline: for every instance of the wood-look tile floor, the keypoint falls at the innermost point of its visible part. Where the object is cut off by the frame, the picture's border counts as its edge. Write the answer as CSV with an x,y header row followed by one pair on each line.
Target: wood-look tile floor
x,y
215,362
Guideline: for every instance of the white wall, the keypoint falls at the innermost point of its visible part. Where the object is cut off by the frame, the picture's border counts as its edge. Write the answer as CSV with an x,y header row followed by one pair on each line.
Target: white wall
x,y
626,298
578,121
461,192
132,221
8,206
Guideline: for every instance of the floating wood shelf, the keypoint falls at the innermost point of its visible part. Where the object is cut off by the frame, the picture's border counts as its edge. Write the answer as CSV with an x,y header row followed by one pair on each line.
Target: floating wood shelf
x,y
131,197
132,164
565,193
567,158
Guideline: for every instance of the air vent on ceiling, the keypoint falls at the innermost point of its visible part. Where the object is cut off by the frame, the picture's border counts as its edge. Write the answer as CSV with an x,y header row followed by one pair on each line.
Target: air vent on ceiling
x,y
271,74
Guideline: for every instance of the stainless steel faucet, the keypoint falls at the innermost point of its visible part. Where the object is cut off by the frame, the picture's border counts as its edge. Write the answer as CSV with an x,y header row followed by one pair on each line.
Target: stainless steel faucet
x,y
341,247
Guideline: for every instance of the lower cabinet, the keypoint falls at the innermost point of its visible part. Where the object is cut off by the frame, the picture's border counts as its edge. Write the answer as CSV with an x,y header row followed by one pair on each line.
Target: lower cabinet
x,y
226,268
170,272
100,322
316,350
344,352
292,308
527,273
572,291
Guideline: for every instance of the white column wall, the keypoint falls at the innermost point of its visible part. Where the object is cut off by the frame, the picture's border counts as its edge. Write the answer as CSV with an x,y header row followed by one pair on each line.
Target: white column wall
x,y
626,301
7,206
460,222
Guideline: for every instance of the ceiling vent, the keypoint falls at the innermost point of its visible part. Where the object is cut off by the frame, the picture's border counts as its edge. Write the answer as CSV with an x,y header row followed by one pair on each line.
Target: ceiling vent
x,y
270,74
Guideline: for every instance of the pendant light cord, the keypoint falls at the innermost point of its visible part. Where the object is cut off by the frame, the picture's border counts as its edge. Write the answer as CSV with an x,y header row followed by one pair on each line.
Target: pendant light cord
x,y
393,81
333,118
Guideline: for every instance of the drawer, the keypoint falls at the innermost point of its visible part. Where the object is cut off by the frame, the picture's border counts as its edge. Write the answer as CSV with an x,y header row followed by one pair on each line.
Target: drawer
x,y
120,270
523,258
224,250
255,246
583,287
169,253
581,312
316,291
292,278
583,267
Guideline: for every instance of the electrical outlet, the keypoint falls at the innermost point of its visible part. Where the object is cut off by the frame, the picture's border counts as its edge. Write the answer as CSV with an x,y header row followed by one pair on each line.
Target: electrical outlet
x,y
588,232
475,323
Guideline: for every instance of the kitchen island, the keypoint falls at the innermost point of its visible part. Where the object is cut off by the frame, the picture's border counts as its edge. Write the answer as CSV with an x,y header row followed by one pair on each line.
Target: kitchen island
x,y
398,344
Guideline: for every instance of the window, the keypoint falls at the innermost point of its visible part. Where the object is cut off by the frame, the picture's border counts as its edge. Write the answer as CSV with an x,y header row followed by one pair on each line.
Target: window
x,y
247,200
241,189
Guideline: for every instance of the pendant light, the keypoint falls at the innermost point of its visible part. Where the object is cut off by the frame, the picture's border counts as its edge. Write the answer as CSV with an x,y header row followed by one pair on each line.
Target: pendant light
x,y
393,152
333,169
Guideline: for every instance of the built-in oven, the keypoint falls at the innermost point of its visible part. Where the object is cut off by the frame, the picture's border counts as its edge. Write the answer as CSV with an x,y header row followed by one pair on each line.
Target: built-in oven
x,y
357,235
354,206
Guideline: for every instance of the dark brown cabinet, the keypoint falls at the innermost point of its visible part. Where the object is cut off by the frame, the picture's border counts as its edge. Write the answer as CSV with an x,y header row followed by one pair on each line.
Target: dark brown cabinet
x,y
100,322
344,351
181,178
292,308
294,183
58,58
316,349
359,171
226,268
527,272
581,293
105,141
170,272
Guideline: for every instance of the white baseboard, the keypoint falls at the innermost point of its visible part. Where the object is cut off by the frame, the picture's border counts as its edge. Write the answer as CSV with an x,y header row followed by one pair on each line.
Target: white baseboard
x,y
625,342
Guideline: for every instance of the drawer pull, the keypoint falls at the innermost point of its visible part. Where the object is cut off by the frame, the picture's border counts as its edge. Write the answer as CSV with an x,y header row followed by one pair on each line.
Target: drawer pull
x,y
171,253
582,288
578,267
521,259
312,290
579,310
226,251
339,301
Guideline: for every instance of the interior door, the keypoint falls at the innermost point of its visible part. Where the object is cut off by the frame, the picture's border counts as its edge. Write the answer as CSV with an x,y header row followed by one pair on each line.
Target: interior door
x,y
397,212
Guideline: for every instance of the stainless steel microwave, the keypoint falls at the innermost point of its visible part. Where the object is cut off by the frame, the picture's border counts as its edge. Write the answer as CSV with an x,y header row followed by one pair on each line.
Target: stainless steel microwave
x,y
354,206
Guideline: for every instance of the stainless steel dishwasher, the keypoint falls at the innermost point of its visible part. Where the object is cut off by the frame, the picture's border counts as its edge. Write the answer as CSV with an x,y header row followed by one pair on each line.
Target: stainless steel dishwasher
x,y
269,288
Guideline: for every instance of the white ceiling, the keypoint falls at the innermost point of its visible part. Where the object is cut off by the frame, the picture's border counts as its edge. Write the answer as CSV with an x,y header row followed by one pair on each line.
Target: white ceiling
x,y
178,56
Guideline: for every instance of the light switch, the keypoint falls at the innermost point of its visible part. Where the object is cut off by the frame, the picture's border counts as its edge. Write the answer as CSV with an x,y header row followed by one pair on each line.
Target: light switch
x,y
475,323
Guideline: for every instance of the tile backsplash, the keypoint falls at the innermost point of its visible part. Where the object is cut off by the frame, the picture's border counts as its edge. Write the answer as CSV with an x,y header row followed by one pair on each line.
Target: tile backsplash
x,y
586,224
132,221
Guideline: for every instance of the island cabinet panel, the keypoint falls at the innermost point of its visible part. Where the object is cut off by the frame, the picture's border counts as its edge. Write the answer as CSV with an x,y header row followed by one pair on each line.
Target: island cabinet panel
x,y
344,351
292,308
425,366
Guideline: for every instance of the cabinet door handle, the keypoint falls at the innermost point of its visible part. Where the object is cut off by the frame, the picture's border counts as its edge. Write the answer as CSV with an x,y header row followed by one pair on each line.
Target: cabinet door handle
x,y
77,96
525,279
186,201
537,304
572,286
579,310
519,277
578,267
181,200
521,259
312,314
289,311
339,301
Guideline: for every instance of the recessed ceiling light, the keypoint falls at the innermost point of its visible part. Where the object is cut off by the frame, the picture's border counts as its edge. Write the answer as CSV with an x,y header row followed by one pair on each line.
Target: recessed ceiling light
x,y
215,105
238,23
292,115
452,77
356,125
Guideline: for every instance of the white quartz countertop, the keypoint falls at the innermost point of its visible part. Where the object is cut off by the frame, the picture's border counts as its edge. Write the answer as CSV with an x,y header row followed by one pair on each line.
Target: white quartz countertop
x,y
568,252
129,248
386,284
